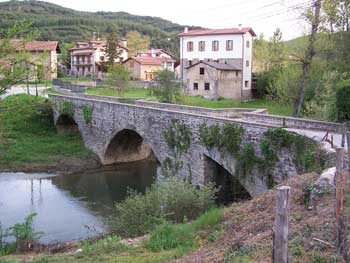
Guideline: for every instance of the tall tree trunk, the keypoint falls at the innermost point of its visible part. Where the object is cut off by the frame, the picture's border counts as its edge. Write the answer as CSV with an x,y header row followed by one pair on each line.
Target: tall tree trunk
x,y
306,64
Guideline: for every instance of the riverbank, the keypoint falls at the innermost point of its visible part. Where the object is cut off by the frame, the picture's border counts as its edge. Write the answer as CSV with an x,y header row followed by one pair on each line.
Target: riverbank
x,y
244,235
29,141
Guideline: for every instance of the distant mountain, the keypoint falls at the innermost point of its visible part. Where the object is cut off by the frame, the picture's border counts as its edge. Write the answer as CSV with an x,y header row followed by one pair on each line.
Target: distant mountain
x,y
67,25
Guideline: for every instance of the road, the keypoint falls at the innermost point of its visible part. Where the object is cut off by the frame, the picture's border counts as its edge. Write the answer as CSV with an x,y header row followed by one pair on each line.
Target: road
x,y
23,90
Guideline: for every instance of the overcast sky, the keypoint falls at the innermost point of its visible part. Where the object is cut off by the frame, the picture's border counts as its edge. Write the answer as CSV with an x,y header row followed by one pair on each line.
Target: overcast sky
x,y
262,15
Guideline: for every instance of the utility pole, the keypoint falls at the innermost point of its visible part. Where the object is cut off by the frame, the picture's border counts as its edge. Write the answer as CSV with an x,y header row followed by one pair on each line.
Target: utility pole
x,y
306,63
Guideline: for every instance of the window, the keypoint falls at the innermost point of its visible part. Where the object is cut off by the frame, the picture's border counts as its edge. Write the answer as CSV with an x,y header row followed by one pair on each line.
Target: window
x,y
190,62
247,63
229,45
236,73
246,83
132,64
102,58
248,44
201,71
190,46
201,46
195,86
215,45
207,86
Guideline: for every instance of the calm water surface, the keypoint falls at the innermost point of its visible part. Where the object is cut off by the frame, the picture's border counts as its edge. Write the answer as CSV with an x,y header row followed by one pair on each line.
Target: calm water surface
x,y
70,207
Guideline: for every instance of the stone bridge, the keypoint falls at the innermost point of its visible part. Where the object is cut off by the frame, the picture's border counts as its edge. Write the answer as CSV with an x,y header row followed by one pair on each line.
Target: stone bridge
x,y
121,132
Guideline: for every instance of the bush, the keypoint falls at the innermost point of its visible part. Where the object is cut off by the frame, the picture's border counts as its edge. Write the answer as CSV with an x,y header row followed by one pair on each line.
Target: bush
x,y
173,200
209,219
343,101
168,90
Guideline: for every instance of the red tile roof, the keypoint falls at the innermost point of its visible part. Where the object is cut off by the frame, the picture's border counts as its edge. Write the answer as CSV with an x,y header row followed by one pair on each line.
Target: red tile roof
x,y
224,31
151,60
36,45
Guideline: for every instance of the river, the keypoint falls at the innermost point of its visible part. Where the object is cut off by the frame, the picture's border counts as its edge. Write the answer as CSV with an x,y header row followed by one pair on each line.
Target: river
x,y
70,207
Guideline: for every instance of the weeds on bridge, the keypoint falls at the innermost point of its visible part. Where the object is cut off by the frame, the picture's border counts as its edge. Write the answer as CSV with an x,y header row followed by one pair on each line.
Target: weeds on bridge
x,y
87,113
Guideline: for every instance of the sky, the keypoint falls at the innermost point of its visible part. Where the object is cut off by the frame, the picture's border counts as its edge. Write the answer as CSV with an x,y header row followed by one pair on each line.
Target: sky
x,y
264,16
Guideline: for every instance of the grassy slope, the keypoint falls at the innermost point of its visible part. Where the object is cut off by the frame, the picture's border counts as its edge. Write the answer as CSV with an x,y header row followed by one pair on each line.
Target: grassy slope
x,y
273,107
28,135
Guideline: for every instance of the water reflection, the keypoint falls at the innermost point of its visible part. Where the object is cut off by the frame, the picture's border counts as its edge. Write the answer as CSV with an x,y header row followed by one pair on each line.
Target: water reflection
x,y
67,204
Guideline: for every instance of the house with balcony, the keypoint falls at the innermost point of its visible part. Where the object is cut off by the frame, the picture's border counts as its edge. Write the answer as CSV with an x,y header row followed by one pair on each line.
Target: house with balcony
x,y
87,58
217,62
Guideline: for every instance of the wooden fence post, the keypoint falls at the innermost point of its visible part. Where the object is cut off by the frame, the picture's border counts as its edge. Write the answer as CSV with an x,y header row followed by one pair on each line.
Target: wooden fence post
x,y
280,246
339,196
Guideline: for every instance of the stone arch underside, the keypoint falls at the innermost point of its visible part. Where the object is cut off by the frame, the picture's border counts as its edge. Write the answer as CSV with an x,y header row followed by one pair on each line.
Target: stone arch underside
x,y
126,146
66,123
230,187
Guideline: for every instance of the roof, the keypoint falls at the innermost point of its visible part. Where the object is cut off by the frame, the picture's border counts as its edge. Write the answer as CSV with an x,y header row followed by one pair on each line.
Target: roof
x,y
236,66
150,60
223,31
93,44
36,45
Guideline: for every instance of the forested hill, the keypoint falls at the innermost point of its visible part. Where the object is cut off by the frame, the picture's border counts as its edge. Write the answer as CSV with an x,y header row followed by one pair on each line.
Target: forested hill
x,y
67,25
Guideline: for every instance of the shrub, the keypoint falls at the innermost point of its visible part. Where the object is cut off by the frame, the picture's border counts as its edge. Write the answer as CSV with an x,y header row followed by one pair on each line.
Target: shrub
x,y
87,113
174,200
168,90
343,101
209,219
67,107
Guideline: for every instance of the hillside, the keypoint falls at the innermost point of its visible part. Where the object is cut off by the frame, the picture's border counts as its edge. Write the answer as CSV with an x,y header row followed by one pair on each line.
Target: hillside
x,y
67,25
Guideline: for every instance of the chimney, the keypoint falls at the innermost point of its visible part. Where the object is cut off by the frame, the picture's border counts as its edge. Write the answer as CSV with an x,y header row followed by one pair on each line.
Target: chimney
x,y
123,42
186,30
240,26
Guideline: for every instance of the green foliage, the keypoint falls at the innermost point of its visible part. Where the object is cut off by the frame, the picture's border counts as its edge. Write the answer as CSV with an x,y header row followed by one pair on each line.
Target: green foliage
x,y
26,122
178,138
67,25
137,42
173,200
87,113
247,160
227,138
109,244
167,90
183,236
67,108
343,101
118,78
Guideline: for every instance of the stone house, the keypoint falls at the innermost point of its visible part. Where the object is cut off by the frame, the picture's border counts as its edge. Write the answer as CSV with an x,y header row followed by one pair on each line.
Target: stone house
x,y
213,80
231,46
145,68
87,57
43,53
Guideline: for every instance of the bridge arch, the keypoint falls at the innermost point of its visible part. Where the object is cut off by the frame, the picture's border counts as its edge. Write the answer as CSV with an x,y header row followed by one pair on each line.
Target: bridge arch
x,y
231,189
126,145
66,123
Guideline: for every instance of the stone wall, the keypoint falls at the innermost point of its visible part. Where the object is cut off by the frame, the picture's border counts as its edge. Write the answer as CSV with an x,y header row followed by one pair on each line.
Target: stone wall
x,y
296,123
110,118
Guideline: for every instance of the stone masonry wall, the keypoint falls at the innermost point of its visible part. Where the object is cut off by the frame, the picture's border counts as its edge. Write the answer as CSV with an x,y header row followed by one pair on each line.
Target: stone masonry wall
x,y
110,117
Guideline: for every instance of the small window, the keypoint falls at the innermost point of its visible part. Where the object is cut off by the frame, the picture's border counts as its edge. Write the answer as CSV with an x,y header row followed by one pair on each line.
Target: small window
x,y
195,86
190,62
207,86
215,45
102,58
236,73
247,63
248,44
229,45
246,83
201,71
190,46
201,46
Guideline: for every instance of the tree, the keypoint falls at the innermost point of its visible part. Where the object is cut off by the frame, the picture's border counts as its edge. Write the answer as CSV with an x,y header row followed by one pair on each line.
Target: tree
x,y
168,90
276,50
306,62
112,50
14,58
118,78
137,42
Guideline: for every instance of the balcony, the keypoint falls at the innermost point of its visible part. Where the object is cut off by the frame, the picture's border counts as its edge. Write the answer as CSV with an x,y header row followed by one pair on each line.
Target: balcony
x,y
82,63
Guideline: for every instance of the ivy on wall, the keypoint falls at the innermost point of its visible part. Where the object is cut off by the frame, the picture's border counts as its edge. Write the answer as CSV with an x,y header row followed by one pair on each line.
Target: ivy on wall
x,y
87,113
67,108
178,139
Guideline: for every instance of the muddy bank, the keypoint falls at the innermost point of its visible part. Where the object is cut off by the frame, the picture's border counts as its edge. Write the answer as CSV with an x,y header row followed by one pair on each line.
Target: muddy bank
x,y
63,166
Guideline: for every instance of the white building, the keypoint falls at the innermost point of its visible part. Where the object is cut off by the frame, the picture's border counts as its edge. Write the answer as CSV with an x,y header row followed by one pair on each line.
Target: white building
x,y
233,46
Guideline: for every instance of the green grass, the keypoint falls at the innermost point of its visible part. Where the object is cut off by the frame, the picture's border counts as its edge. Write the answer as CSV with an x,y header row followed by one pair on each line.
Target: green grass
x,y
28,134
167,242
273,107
